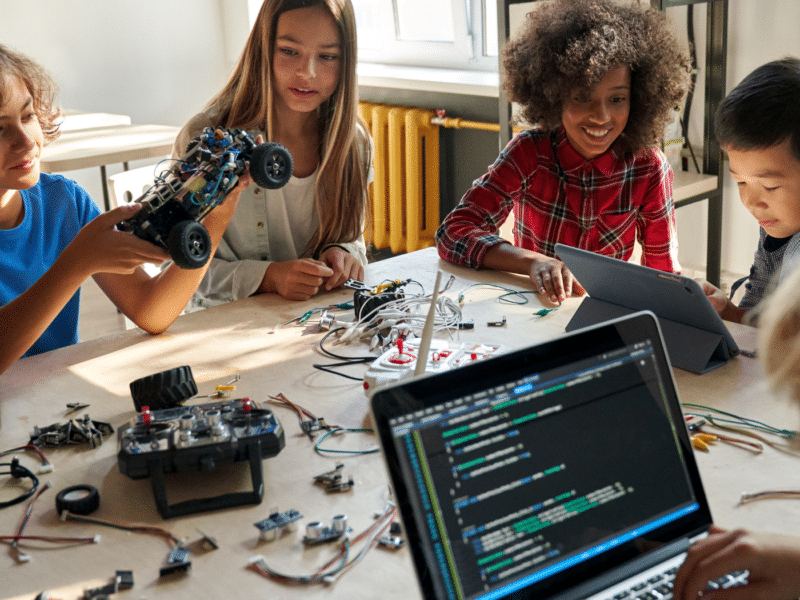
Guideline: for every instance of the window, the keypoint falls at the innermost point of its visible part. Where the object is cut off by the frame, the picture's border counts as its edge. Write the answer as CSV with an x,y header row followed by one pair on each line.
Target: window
x,y
453,34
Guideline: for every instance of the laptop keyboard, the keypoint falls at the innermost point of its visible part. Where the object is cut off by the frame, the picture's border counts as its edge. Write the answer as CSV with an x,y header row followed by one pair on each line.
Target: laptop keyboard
x,y
659,587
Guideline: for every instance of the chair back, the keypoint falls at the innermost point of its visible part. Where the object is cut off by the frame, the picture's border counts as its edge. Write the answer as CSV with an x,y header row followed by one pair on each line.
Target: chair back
x,y
127,186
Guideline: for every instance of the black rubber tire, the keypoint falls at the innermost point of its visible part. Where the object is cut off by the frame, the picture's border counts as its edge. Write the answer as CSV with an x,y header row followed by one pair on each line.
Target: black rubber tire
x,y
78,499
189,244
271,165
167,389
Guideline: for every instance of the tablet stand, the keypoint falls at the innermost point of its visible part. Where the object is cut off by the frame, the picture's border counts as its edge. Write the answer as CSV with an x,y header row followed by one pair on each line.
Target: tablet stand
x,y
688,348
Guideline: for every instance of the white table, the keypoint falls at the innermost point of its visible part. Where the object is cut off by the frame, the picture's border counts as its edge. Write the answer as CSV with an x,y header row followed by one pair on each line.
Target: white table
x,y
101,146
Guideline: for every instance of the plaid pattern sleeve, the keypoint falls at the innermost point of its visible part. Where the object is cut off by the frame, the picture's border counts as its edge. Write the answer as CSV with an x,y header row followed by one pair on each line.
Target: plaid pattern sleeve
x,y
657,229
557,196
766,266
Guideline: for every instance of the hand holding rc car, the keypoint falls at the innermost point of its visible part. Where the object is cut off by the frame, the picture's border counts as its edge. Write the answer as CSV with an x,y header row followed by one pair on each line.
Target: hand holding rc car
x,y
198,182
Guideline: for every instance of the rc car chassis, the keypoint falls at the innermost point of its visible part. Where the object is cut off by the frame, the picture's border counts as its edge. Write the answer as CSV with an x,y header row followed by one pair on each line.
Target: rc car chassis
x,y
184,194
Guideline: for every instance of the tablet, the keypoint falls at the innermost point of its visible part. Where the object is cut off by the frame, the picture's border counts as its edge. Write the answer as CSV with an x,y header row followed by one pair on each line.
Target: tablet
x,y
696,336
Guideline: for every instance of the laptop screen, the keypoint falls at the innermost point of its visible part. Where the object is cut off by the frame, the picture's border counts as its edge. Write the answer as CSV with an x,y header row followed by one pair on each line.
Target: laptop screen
x,y
544,467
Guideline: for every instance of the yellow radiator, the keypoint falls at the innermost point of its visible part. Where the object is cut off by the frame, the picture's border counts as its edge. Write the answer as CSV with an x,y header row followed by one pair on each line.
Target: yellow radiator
x,y
405,192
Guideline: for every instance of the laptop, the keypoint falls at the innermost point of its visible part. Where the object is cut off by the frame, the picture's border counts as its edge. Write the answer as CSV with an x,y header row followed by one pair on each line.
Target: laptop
x,y
563,470
696,336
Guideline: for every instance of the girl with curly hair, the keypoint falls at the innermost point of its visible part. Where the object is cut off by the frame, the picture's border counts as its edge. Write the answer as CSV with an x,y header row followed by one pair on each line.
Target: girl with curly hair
x,y
598,81
295,84
53,236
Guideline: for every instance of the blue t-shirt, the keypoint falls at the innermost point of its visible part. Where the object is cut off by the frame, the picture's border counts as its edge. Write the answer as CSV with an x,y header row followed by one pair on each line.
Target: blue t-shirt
x,y
55,211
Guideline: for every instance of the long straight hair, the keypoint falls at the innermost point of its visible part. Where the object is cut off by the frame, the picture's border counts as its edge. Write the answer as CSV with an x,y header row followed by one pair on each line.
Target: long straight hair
x,y
247,101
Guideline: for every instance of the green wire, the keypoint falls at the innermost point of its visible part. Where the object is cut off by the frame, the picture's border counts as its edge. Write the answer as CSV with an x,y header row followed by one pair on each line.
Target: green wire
x,y
340,430
743,420
509,292
341,306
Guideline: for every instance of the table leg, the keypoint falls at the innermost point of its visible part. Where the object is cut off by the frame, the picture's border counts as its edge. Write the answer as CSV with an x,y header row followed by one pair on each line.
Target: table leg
x,y
714,248
106,201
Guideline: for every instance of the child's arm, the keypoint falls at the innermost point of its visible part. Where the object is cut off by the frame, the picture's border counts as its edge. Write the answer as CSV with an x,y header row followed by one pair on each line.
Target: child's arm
x,y
773,561
550,276
656,224
154,303
97,247
726,309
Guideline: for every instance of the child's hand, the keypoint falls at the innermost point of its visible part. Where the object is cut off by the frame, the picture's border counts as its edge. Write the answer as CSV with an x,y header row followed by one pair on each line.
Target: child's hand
x,y
295,279
344,265
773,561
100,248
715,295
724,307
553,279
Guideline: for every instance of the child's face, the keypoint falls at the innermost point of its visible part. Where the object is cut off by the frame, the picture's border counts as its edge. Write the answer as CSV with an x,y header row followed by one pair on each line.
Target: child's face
x,y
306,61
593,119
21,138
769,187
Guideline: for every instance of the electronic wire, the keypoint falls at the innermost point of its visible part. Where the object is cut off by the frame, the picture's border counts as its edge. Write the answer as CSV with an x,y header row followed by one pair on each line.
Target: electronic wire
x,y
21,556
736,419
341,563
17,471
768,494
18,537
47,466
408,312
301,412
339,431
505,298
68,516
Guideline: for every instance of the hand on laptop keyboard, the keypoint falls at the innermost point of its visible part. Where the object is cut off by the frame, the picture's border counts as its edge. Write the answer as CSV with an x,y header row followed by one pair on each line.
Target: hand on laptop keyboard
x,y
772,560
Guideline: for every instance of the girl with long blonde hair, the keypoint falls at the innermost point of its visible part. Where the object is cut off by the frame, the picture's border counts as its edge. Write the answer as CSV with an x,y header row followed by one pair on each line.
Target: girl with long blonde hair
x,y
294,84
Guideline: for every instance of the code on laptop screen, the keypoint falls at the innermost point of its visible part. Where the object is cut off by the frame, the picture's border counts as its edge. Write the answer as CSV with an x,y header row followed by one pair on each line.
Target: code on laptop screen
x,y
517,483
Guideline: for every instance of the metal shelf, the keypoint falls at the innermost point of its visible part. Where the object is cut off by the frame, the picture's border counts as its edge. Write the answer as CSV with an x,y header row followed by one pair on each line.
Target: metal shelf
x,y
688,187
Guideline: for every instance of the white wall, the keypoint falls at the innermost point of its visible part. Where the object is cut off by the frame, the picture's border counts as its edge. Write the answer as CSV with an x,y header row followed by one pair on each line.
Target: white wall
x,y
158,61
757,33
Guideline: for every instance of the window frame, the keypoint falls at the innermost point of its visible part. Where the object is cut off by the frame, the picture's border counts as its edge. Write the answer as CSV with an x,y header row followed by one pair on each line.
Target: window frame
x,y
467,52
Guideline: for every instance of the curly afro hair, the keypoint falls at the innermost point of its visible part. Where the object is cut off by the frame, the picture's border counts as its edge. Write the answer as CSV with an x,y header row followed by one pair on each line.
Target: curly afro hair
x,y
569,44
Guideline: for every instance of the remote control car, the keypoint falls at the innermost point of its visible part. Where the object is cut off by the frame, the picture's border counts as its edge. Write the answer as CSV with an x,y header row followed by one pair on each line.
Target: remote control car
x,y
184,194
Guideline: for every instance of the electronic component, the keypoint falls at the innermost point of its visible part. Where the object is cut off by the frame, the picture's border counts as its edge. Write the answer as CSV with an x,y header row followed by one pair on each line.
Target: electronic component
x,y
393,539
333,481
277,523
177,561
209,543
123,580
399,361
78,499
694,423
17,471
193,186
312,426
199,438
76,431
317,533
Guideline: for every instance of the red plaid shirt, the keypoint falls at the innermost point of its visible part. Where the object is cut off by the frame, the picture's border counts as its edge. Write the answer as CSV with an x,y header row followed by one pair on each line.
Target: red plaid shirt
x,y
602,205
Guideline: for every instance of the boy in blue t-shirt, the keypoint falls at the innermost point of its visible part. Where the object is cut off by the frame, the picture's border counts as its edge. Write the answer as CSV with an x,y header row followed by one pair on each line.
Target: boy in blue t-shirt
x,y
758,125
52,236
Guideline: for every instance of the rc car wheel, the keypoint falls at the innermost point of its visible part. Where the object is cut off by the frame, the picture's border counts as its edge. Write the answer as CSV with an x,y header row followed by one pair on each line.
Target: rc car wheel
x,y
167,389
270,165
189,244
